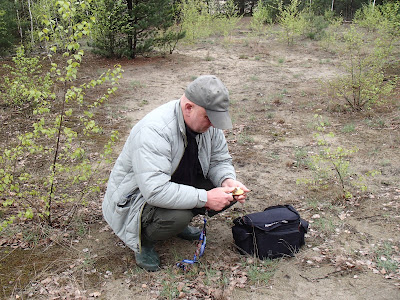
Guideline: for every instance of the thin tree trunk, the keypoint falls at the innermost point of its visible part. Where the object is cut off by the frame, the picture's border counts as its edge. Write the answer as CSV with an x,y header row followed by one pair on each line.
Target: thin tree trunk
x,y
130,38
57,148
30,15
18,20
333,2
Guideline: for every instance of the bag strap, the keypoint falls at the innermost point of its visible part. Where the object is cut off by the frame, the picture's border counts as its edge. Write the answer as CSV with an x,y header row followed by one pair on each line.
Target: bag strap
x,y
288,206
304,224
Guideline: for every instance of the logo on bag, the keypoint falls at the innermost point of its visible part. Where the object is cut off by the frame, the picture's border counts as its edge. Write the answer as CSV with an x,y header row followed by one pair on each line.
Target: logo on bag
x,y
274,223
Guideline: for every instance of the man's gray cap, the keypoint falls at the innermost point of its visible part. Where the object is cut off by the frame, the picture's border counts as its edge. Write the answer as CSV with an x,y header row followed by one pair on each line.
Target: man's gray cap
x,y
210,93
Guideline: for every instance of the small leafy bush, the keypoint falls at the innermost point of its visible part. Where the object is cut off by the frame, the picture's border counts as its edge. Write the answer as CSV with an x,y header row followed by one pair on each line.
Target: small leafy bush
x,y
47,171
331,33
227,21
368,16
25,86
364,83
315,25
196,20
261,17
330,165
385,17
292,21
200,20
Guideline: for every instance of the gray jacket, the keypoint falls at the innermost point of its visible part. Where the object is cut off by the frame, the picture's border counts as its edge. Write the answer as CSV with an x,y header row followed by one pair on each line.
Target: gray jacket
x,y
143,170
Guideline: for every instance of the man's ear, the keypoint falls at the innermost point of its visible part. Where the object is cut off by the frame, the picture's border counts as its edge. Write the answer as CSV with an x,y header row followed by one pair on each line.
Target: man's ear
x,y
187,108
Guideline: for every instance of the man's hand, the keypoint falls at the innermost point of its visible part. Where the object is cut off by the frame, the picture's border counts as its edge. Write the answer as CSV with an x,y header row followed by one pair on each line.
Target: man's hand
x,y
219,197
232,184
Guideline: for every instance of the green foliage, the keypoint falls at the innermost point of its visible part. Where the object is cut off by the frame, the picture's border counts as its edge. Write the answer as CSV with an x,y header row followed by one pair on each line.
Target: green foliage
x,y
111,17
385,17
261,17
8,26
196,19
61,24
24,86
229,20
131,28
315,25
331,33
368,16
364,83
50,165
200,19
331,165
391,17
168,37
145,18
292,21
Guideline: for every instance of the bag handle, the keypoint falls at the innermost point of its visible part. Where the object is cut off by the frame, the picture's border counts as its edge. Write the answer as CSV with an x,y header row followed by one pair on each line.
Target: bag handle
x,y
288,206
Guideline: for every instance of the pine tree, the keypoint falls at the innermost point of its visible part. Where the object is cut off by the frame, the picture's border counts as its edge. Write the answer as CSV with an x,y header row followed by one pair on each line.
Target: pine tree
x,y
8,25
130,27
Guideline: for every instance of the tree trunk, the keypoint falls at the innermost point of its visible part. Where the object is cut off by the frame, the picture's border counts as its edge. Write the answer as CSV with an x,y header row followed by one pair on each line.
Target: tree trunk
x,y
18,20
130,37
333,2
241,7
30,15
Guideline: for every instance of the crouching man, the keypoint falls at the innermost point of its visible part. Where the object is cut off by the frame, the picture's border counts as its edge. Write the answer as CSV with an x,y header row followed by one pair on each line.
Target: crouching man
x,y
174,165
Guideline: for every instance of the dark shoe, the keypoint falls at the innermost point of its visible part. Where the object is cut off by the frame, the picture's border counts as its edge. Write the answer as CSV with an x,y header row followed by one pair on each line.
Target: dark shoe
x,y
148,259
190,233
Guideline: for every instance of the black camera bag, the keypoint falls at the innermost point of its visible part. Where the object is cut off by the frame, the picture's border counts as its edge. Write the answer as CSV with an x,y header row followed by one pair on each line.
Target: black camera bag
x,y
275,232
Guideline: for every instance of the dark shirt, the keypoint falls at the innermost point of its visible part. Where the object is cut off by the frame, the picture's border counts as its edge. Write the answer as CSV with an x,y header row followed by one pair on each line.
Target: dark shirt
x,y
189,167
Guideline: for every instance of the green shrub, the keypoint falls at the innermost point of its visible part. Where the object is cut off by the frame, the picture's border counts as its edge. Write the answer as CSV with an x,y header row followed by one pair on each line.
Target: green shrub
x,y
384,18
330,165
364,83
261,17
331,33
291,20
391,17
8,26
229,20
132,28
314,25
167,39
25,86
196,20
368,16
48,166
107,39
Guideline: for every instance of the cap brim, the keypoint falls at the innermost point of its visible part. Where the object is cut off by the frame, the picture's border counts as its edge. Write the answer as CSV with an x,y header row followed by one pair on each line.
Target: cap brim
x,y
219,119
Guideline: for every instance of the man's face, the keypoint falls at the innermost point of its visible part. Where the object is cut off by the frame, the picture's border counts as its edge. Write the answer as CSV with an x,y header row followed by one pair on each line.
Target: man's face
x,y
197,119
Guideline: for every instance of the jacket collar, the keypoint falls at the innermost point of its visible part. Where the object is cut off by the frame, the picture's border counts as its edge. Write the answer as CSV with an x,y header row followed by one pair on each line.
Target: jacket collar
x,y
181,120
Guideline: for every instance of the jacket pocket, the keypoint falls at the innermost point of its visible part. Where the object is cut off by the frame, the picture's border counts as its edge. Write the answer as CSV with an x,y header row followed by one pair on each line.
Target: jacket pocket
x,y
123,205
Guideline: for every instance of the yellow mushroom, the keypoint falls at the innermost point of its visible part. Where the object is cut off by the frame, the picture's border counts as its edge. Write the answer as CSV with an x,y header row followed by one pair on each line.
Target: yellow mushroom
x,y
237,192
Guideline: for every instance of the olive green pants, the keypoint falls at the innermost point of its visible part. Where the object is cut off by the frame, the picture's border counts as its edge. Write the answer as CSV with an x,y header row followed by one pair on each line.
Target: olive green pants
x,y
161,223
